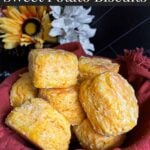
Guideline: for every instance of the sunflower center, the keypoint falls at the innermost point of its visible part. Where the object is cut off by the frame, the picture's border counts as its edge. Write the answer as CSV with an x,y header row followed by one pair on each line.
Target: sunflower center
x,y
31,26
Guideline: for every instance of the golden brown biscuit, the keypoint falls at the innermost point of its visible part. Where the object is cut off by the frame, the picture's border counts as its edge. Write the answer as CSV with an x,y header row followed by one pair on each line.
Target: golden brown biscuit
x,y
110,104
91,140
41,124
51,68
22,90
90,67
66,102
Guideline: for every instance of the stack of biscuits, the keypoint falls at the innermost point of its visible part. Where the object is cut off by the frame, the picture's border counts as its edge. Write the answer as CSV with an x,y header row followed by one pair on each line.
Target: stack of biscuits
x,y
62,94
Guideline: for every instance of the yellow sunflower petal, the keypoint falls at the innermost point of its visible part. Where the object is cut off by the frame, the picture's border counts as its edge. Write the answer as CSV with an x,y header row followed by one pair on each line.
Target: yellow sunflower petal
x,y
8,25
38,42
13,13
11,26
9,45
26,38
17,13
8,21
46,24
6,13
24,44
14,29
24,10
11,38
41,10
38,39
32,10
23,40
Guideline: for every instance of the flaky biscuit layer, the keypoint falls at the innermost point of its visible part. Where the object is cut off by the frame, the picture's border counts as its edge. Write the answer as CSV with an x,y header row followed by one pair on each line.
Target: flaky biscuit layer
x,y
91,140
37,121
65,101
90,67
110,104
22,90
51,68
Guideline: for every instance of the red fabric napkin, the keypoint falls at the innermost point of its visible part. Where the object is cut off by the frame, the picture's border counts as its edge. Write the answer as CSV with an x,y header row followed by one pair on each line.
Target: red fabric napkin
x,y
9,139
134,67
74,47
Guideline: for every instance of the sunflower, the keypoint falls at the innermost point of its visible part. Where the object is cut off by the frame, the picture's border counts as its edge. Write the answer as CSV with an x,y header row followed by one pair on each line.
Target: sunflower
x,y
25,25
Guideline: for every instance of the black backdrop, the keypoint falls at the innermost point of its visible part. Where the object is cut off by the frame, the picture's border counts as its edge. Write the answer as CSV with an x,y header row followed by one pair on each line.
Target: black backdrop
x,y
117,28
121,27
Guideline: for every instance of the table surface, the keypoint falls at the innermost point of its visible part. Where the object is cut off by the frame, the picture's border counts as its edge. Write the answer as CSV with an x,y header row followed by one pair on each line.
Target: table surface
x,y
117,27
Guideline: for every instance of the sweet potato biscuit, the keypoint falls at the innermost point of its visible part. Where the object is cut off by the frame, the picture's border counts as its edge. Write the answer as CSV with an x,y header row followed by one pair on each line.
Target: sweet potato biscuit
x,y
37,121
22,90
51,68
90,67
91,140
110,104
66,102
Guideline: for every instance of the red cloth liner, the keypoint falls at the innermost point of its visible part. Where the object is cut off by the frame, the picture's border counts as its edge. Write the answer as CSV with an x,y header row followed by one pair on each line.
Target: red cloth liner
x,y
9,139
74,47
134,67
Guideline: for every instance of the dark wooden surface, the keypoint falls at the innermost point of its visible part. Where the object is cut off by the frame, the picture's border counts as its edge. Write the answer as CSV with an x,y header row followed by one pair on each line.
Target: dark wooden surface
x,y
121,27
117,28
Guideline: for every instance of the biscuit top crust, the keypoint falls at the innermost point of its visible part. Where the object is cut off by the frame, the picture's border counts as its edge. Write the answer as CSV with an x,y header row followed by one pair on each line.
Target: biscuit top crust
x,y
92,140
50,51
22,90
110,103
50,68
88,64
66,102
37,121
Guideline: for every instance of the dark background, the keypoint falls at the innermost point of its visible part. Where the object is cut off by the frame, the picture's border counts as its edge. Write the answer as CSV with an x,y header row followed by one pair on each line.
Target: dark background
x,y
118,28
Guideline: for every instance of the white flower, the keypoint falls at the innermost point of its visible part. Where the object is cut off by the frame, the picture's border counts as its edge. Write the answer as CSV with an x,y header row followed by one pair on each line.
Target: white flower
x,y
71,23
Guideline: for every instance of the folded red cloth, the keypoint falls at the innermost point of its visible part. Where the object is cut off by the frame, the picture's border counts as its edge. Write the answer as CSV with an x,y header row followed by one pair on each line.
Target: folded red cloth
x,y
74,47
134,67
9,139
